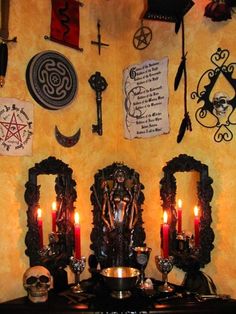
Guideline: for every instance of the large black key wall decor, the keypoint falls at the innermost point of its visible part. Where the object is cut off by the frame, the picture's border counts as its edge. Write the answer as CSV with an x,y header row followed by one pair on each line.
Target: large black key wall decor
x,y
99,84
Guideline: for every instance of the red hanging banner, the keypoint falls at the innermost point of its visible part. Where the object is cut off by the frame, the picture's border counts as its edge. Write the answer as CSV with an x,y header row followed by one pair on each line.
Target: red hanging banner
x,y
65,28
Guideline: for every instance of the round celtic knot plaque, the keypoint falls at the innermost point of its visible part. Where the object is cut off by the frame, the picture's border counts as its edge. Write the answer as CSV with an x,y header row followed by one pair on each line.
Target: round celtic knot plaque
x,y
51,80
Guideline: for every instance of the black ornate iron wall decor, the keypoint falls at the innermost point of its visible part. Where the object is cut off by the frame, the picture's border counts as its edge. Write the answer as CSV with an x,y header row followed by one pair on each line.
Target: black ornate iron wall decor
x,y
220,110
117,217
56,254
187,257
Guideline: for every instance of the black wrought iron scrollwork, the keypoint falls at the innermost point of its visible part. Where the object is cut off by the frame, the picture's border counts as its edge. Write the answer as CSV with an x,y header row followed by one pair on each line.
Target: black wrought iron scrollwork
x,y
56,255
218,110
189,259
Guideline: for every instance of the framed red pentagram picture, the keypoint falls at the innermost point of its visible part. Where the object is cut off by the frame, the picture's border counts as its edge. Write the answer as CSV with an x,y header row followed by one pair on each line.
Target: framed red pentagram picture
x,y
16,127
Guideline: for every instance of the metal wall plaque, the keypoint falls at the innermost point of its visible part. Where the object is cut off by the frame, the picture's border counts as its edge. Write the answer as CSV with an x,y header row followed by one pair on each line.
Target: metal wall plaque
x,y
51,80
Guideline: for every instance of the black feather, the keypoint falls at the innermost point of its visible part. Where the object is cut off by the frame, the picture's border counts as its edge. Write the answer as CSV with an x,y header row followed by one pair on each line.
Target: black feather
x,y
182,129
185,125
189,124
180,72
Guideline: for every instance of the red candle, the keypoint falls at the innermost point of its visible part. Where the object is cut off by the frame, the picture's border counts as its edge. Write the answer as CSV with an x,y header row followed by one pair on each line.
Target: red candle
x,y
54,216
77,237
196,226
165,234
40,227
179,216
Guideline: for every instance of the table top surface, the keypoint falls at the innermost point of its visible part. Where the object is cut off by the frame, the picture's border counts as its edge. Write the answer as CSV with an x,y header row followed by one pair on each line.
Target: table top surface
x,y
97,298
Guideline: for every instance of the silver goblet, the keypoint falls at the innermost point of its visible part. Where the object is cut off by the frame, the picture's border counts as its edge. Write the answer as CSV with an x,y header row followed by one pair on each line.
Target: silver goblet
x,y
77,265
142,254
165,265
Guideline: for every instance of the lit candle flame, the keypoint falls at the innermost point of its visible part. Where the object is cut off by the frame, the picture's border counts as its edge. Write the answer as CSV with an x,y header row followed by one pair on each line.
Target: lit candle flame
x,y
180,203
39,213
54,206
76,218
165,217
196,210
119,272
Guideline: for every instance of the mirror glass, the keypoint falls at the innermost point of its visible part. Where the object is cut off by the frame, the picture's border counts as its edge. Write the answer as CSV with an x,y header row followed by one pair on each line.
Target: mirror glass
x,y
186,191
47,197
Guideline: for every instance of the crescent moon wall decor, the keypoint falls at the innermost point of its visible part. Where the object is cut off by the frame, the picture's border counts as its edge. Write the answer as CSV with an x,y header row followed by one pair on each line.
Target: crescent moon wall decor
x,y
67,141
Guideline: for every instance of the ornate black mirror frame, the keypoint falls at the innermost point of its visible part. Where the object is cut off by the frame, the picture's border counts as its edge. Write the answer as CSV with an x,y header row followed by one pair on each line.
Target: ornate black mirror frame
x,y
113,245
55,255
190,259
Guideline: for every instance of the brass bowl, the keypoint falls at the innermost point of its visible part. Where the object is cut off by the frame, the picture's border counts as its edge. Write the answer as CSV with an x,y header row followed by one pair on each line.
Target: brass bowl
x,y
120,280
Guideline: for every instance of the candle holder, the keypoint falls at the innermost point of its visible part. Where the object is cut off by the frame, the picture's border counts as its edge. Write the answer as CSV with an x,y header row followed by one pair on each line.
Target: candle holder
x,y
165,265
54,247
142,254
181,243
77,265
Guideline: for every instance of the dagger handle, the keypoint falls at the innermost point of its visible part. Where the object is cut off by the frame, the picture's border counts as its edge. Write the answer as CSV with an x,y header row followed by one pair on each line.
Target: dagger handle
x,y
3,62
4,33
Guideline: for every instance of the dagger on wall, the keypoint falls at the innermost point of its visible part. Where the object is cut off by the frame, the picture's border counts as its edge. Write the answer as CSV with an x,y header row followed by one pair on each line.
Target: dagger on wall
x,y
4,39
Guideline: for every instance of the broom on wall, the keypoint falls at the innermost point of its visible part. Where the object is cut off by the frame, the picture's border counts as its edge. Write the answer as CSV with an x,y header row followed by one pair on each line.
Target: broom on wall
x,y
182,71
174,11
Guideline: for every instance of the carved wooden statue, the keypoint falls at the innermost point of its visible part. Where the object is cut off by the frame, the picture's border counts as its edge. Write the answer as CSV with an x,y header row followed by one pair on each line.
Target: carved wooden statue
x,y
117,216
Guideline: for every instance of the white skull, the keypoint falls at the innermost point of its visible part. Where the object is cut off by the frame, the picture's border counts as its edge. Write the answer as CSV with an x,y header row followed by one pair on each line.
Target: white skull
x,y
220,103
37,281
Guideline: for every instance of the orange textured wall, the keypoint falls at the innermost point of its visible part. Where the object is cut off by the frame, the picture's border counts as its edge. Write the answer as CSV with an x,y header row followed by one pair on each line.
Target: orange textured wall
x,y
30,22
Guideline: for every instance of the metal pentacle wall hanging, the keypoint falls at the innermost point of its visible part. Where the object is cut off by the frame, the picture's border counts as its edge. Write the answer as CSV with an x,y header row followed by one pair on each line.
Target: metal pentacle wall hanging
x,y
142,37
219,102
51,80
